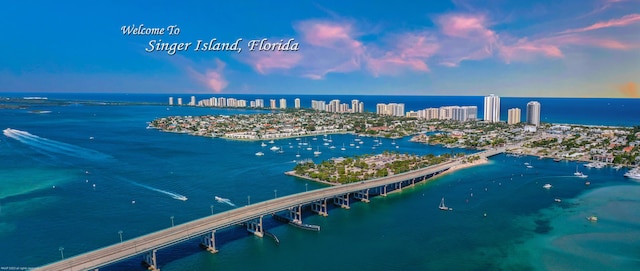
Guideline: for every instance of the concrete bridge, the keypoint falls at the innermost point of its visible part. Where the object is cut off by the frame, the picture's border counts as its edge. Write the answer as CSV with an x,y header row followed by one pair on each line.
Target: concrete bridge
x,y
251,215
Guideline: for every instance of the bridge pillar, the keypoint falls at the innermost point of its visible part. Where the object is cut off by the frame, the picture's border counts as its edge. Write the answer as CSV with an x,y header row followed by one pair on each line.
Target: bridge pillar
x,y
255,226
295,214
362,195
150,260
209,242
320,207
398,186
342,201
383,190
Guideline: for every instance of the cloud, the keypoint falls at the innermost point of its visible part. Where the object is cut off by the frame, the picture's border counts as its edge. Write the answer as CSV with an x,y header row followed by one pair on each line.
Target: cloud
x,y
630,90
211,77
624,21
409,51
525,50
269,61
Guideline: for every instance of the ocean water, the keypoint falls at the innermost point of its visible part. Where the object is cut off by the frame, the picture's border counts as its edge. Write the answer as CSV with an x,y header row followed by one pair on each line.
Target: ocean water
x,y
76,176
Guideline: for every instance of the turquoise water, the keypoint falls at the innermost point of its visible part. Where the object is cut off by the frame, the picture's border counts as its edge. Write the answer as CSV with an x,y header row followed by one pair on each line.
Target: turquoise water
x,y
48,200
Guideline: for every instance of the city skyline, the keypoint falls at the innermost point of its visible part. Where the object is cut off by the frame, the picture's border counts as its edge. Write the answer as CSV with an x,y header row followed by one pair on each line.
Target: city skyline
x,y
442,48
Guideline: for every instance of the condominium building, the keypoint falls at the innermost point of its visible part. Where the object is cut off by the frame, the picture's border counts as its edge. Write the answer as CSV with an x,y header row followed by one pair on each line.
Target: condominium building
x,y
492,108
514,116
296,103
533,113
170,100
283,103
272,104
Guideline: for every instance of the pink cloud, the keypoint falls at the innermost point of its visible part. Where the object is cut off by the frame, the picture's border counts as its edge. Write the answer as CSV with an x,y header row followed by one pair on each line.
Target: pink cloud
x,y
409,51
212,78
329,34
624,21
266,62
525,50
578,39
465,26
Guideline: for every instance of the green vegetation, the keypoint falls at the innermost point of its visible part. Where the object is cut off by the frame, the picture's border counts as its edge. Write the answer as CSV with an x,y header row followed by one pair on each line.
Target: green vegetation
x,y
365,167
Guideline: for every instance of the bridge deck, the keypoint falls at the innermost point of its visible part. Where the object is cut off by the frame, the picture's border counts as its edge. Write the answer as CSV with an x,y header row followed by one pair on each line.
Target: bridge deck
x,y
182,232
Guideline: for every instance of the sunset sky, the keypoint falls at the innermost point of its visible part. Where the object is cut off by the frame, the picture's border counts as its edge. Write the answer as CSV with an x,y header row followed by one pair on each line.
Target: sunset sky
x,y
555,48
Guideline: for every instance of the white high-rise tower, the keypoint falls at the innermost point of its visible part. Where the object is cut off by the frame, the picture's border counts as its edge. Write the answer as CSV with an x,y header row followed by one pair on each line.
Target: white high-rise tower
x,y
533,113
492,108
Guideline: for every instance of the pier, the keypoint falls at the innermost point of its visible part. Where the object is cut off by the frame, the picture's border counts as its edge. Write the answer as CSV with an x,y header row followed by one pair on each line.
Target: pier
x,y
251,216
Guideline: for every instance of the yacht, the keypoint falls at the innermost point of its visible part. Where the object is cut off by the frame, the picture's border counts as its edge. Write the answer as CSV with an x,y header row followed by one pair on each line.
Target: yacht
x,y
259,153
546,186
592,218
298,155
579,174
444,207
343,148
633,174
274,148
271,141
317,152
332,147
263,144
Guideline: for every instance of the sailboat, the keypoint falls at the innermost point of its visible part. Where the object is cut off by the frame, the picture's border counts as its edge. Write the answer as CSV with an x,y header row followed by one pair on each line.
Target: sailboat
x,y
317,152
343,148
298,155
444,207
579,174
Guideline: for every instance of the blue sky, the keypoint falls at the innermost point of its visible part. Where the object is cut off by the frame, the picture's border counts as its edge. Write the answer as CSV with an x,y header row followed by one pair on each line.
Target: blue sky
x,y
587,48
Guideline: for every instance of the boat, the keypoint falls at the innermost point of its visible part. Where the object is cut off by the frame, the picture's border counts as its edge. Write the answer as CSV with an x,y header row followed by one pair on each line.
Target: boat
x,y
281,150
263,144
309,148
317,152
617,167
592,218
579,174
556,160
444,207
298,155
326,143
557,200
393,142
343,148
259,153
271,141
546,186
332,147
274,148
529,166
633,174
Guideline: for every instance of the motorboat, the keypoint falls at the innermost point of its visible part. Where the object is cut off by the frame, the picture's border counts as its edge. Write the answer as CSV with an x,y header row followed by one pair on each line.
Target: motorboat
x,y
547,186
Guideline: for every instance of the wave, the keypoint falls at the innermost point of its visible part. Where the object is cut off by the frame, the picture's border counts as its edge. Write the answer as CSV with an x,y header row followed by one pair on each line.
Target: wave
x,y
225,201
52,146
171,194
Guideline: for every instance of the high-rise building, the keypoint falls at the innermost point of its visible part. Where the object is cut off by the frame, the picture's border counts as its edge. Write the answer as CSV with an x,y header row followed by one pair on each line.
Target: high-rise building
x,y
193,101
492,108
533,113
170,100
355,106
514,116
179,101
360,107
283,103
272,104
296,103
259,103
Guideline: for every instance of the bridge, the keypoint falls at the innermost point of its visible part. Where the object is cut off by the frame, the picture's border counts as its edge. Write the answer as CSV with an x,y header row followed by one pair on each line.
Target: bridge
x,y
251,215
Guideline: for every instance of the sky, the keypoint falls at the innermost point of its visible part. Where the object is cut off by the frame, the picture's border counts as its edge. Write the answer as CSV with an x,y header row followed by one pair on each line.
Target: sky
x,y
545,48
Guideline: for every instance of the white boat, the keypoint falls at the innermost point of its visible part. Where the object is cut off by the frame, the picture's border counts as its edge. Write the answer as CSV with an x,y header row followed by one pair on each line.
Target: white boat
x,y
309,148
579,174
280,150
271,141
444,207
343,148
546,186
529,166
633,174
326,143
557,200
263,144
317,152
617,167
298,155
351,144
259,153
332,147
274,148
393,142
592,218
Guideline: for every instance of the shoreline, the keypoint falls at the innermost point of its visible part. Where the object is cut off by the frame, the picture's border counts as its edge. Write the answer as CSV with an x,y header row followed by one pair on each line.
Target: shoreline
x,y
450,170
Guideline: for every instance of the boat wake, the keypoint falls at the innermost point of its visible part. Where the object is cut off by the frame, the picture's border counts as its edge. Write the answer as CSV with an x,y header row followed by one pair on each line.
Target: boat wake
x,y
171,194
52,146
225,201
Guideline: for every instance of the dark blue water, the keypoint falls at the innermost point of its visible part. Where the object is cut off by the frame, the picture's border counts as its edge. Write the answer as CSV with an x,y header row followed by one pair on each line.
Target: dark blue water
x,y
586,111
52,161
